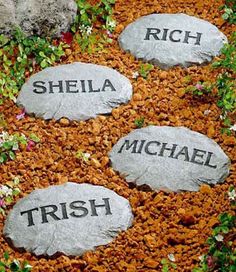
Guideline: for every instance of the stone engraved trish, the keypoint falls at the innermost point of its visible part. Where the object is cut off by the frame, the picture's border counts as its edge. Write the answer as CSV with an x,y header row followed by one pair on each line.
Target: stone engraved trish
x,y
175,35
60,212
173,151
71,86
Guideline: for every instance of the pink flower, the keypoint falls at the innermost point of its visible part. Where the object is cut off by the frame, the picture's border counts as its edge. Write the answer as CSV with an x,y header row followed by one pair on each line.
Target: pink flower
x,y
199,87
109,34
30,145
21,115
210,262
2,203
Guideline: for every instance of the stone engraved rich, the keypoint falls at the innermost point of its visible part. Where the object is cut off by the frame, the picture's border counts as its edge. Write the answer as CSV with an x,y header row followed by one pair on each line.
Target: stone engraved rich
x,y
173,35
196,156
51,210
71,86
167,40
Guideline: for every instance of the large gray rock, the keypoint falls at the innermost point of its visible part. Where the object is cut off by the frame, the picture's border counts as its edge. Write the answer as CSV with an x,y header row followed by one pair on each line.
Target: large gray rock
x,y
167,40
70,219
7,16
41,17
83,91
169,158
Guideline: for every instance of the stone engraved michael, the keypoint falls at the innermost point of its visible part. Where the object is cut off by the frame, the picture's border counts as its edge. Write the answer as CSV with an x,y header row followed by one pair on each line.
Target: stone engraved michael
x,y
173,151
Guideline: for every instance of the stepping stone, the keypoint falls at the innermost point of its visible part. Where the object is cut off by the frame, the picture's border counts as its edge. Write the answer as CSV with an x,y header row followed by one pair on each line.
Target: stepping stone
x,y
168,40
78,91
70,219
169,158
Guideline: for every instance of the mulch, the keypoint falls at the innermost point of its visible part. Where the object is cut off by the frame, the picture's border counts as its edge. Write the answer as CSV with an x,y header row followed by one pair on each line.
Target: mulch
x,y
164,223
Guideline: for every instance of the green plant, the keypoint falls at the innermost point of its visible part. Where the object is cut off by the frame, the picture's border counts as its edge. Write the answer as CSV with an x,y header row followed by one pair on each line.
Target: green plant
x,y
226,83
145,69
229,11
166,264
81,155
19,56
9,144
89,14
201,88
3,123
139,122
221,255
90,20
13,265
7,194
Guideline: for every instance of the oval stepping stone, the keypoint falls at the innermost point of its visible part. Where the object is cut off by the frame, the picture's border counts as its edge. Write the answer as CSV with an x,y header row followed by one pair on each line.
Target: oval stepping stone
x,y
167,40
70,218
169,158
78,91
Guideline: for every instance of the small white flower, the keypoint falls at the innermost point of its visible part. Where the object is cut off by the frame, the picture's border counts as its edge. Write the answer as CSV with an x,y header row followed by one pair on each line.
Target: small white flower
x,y
206,112
232,195
89,30
233,127
5,191
111,24
219,238
201,258
86,156
28,266
171,257
85,30
15,146
135,74
4,136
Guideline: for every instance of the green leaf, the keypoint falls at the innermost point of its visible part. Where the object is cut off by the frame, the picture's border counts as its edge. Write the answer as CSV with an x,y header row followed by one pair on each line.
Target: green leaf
x,y
12,155
6,256
43,63
34,138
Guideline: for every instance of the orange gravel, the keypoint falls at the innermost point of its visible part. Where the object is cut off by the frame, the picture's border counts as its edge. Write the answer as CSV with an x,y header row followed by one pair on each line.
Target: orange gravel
x,y
164,223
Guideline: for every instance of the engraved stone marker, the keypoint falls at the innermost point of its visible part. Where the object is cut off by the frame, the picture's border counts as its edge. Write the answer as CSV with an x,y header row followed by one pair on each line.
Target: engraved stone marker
x,y
169,158
70,218
167,40
78,91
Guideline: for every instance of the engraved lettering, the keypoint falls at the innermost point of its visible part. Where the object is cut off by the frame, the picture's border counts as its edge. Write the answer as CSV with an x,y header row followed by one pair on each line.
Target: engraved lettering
x,y
207,163
51,213
147,146
172,34
69,84
108,84
197,38
183,152
152,32
128,146
172,149
197,153
59,85
37,84
30,216
91,90
74,206
106,205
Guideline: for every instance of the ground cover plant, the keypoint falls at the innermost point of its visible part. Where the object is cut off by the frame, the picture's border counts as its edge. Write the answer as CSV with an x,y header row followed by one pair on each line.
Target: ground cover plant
x,y
225,84
95,24
165,223
222,252
13,265
19,57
